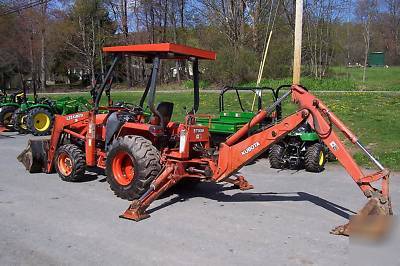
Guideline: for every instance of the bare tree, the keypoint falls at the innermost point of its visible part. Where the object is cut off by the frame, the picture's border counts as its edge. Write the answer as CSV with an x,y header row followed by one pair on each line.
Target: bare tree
x,y
43,47
366,11
393,7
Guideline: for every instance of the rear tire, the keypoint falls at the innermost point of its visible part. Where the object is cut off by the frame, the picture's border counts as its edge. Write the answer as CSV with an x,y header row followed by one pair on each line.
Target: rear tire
x,y
132,164
70,163
276,156
19,121
6,115
315,158
40,121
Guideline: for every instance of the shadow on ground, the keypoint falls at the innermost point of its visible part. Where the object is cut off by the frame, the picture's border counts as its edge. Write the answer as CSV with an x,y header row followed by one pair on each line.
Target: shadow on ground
x,y
216,192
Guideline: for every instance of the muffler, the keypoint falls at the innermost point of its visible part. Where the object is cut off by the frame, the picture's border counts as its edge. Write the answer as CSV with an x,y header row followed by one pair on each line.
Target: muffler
x,y
34,157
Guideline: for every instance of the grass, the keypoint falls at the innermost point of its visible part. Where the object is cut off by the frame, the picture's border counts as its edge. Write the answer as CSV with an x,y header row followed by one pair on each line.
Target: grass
x,y
346,79
326,84
377,78
373,118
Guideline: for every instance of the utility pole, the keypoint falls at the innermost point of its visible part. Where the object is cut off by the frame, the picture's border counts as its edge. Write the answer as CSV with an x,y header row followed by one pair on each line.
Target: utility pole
x,y
298,31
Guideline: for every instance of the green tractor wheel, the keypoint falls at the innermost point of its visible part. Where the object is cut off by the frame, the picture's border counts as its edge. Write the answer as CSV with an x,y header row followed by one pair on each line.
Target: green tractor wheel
x,y
40,121
6,115
19,121
315,158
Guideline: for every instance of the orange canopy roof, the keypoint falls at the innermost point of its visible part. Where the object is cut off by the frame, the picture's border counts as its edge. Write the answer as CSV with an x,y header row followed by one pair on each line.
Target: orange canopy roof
x,y
164,50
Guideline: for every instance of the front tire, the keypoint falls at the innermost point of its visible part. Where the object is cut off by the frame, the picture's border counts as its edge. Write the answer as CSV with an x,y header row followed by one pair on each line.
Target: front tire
x,y
132,164
6,115
315,158
70,163
40,121
276,156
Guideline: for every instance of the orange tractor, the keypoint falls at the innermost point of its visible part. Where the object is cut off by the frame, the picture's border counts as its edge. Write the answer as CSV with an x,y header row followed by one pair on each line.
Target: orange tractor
x,y
145,156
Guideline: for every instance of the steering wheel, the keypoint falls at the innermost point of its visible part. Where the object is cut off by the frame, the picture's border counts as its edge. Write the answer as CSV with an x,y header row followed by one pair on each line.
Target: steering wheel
x,y
130,107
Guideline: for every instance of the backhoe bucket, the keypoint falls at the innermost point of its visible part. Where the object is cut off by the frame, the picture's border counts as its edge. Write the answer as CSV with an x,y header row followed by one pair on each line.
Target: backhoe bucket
x,y
373,221
34,157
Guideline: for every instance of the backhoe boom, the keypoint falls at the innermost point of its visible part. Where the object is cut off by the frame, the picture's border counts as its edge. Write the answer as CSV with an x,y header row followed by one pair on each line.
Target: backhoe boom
x,y
242,148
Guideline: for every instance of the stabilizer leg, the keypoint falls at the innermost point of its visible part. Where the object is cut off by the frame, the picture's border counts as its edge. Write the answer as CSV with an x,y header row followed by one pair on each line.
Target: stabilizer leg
x,y
240,182
137,209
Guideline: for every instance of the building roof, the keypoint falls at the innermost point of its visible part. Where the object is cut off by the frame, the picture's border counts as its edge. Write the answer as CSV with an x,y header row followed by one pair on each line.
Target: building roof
x,y
163,50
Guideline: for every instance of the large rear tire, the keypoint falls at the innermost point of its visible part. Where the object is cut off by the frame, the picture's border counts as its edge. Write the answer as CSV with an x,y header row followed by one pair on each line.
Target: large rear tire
x,y
315,158
70,163
40,121
6,115
276,156
132,164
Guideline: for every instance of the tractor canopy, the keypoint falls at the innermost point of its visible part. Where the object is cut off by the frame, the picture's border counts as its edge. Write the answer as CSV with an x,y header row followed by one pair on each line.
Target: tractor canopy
x,y
153,53
162,51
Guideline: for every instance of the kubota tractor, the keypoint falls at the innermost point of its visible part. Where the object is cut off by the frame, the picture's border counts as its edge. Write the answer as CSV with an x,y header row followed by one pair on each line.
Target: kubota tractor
x,y
120,133
144,158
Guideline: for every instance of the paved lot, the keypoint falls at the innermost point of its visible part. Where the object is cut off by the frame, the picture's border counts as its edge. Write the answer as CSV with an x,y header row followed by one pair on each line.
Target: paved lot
x,y
285,220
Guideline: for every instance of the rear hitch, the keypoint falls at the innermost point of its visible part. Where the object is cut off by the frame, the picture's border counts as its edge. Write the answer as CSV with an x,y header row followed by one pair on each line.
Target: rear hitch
x,y
34,157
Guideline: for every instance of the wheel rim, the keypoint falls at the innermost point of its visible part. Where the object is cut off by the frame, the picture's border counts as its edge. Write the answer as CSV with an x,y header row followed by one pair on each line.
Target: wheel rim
x,y
41,122
123,168
65,164
321,158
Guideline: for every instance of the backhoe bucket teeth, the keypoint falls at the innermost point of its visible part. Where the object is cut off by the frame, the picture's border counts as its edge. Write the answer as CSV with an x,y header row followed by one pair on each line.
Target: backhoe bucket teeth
x,y
34,157
373,221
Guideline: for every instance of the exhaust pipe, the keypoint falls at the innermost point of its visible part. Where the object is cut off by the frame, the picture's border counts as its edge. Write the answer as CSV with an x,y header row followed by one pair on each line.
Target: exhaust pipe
x,y
34,157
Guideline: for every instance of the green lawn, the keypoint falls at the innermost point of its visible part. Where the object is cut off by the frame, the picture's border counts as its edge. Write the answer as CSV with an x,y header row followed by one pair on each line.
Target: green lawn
x,y
347,79
374,117
377,78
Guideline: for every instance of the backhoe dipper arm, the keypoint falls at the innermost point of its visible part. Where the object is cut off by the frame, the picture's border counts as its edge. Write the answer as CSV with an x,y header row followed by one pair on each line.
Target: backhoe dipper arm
x,y
239,150
322,121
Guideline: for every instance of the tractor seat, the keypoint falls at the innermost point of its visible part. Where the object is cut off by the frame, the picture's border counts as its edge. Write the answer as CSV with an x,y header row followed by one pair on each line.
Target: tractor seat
x,y
165,109
114,122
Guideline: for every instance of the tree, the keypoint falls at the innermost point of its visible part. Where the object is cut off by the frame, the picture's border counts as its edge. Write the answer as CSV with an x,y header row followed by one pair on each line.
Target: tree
x,y
43,45
87,25
366,11
393,9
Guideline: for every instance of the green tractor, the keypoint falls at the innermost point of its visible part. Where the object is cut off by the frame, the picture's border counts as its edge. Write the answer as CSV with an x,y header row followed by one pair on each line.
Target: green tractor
x,y
8,105
37,116
301,148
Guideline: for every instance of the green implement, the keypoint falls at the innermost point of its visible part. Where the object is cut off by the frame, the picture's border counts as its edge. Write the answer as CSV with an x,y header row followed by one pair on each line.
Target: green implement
x,y
228,122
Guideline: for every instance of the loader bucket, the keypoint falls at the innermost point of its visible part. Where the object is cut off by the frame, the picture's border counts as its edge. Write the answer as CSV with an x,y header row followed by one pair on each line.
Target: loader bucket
x,y
373,221
34,157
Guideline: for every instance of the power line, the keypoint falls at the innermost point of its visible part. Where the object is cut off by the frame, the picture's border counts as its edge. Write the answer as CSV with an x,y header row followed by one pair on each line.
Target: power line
x,y
19,8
